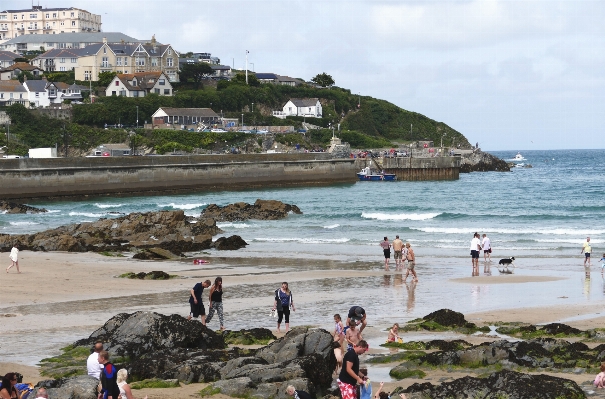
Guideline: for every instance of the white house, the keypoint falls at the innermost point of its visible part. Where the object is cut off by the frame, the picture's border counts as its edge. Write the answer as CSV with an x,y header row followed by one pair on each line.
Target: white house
x,y
37,92
184,116
11,92
139,84
309,107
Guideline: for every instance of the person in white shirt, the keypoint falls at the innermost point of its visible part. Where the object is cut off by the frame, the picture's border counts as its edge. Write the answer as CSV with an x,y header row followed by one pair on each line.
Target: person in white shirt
x,y
487,248
475,248
92,363
14,257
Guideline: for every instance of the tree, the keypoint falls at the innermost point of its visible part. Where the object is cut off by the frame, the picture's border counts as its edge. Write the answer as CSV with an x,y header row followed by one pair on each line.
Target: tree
x,y
323,80
106,77
21,59
197,72
240,78
25,74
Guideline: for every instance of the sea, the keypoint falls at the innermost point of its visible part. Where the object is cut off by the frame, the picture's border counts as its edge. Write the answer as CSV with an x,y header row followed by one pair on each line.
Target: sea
x,y
541,215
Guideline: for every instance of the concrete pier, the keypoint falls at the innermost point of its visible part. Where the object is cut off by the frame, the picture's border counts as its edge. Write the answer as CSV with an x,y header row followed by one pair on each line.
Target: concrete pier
x,y
417,168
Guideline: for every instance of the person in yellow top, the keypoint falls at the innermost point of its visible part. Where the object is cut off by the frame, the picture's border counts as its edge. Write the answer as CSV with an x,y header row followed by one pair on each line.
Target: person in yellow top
x,y
397,247
587,249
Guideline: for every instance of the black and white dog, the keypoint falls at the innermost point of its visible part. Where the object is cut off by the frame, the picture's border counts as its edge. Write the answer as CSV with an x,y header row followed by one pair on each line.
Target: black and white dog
x,y
505,263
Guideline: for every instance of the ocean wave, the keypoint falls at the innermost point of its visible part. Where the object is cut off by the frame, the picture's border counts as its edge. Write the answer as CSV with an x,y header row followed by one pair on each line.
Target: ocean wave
x,y
54,211
399,216
305,240
87,214
22,223
104,206
332,226
182,206
231,224
491,230
3,212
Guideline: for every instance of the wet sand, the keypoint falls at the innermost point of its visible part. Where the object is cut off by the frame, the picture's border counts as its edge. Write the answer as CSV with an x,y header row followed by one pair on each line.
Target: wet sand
x,y
61,297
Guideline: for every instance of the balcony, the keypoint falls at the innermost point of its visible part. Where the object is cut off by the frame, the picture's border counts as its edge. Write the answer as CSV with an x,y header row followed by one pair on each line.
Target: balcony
x,y
106,65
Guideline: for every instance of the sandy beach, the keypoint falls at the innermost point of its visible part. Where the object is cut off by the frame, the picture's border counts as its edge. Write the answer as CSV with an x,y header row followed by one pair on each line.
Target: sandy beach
x,y
61,297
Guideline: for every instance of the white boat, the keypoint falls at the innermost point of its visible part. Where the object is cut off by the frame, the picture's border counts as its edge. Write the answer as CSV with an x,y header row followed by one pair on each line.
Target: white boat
x,y
519,157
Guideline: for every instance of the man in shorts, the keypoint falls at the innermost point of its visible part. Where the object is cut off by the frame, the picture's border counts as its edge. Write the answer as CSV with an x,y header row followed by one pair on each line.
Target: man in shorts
x,y
486,244
386,248
397,247
475,248
349,374
587,249
196,302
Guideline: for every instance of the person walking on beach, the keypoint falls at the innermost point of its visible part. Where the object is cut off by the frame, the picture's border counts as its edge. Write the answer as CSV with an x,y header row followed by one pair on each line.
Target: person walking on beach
x,y
349,374
357,314
411,263
586,248
386,248
216,302
475,248
397,248
486,244
14,257
196,303
283,301
92,363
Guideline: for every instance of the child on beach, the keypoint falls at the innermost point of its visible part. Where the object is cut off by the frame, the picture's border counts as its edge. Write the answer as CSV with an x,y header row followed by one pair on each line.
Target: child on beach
x,y
365,389
393,334
599,381
602,260
339,331
337,346
353,335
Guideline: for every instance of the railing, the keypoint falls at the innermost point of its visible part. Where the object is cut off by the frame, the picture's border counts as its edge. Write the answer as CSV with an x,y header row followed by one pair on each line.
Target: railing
x,y
279,114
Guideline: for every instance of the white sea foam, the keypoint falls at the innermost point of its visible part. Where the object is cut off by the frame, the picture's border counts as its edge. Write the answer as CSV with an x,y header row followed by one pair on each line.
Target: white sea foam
x,y
332,226
232,225
104,206
87,214
3,212
22,223
305,240
54,211
399,216
182,206
471,230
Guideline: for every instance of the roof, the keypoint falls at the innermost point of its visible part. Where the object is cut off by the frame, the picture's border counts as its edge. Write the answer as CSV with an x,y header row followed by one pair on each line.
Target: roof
x,y
266,76
8,55
304,102
145,80
22,66
221,67
281,78
74,37
36,85
60,53
11,85
40,9
198,112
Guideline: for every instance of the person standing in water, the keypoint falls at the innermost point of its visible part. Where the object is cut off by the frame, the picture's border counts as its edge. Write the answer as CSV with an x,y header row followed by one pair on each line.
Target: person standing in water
x,y
475,248
283,301
386,248
397,248
486,244
586,248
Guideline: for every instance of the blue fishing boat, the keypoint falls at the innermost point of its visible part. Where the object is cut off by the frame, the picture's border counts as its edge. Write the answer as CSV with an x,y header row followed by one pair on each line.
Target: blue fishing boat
x,y
367,174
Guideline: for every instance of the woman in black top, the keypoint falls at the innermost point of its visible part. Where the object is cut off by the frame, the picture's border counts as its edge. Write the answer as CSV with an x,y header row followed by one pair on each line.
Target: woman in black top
x,y
216,302
8,390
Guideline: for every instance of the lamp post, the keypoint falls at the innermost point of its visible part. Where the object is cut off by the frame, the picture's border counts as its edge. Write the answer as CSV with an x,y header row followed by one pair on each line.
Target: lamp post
x,y
132,136
247,66
137,116
242,120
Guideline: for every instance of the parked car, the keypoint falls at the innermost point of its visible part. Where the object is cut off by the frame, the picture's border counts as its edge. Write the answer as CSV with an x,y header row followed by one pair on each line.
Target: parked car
x,y
244,131
218,131
401,154
262,131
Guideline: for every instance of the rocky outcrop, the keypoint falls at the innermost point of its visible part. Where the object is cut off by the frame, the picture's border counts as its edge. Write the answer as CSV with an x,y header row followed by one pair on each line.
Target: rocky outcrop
x,y
229,243
168,230
80,387
13,207
133,335
505,383
442,320
154,275
240,211
479,161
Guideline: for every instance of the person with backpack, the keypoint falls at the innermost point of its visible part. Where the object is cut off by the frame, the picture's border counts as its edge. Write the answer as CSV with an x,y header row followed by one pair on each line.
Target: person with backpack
x,y
283,301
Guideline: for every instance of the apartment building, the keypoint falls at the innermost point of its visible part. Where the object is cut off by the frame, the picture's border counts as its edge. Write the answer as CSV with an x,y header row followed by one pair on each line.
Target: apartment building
x,y
38,20
23,44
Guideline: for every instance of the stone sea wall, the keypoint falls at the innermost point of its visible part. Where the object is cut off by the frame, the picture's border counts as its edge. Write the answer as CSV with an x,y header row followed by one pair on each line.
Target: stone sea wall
x,y
57,177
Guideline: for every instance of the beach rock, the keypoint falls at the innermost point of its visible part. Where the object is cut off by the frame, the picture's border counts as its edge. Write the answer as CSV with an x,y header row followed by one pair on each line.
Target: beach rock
x,y
136,334
13,207
166,230
229,243
154,275
252,336
447,318
504,383
558,328
80,387
479,161
240,211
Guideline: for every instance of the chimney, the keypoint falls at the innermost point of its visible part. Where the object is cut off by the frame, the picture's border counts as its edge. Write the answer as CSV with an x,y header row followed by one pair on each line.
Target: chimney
x,y
104,40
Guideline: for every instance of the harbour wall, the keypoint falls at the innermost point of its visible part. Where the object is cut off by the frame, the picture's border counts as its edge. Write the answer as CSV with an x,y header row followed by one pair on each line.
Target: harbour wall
x,y
417,168
75,177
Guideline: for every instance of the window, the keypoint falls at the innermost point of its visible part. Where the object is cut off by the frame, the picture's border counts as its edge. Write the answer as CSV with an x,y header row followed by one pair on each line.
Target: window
x,y
105,62
122,93
119,61
47,15
11,95
3,16
156,91
74,60
62,60
62,69
1,95
117,82
37,94
126,62
169,62
73,23
72,14
162,82
14,17
135,93
54,15
33,16
86,75
104,50
169,51
167,92
154,61
139,61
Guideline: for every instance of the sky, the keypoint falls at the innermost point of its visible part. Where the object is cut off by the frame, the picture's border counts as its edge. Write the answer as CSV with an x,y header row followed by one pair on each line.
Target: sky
x,y
510,75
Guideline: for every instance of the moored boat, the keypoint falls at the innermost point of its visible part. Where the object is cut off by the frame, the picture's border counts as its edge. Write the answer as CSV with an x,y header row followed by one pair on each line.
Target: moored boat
x,y
367,174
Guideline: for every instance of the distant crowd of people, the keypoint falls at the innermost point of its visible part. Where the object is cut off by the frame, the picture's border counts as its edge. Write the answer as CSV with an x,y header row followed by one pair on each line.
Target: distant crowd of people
x,y
403,253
